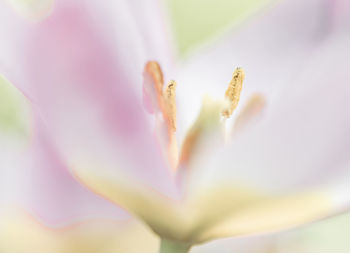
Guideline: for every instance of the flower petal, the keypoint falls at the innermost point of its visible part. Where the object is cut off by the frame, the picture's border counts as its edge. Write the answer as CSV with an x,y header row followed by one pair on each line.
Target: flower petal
x,y
135,46
16,131
15,113
44,186
305,131
330,235
300,147
295,155
85,93
20,233
271,47
152,25
254,244
340,14
33,175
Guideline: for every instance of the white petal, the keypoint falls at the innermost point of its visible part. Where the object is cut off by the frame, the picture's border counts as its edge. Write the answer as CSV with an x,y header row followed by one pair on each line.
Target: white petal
x,y
295,155
270,47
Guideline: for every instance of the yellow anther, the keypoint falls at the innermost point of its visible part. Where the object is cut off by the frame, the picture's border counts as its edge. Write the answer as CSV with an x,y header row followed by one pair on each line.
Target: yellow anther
x,y
170,104
233,92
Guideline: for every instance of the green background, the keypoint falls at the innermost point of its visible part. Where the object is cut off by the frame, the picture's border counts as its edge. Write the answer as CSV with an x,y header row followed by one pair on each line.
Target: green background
x,y
195,21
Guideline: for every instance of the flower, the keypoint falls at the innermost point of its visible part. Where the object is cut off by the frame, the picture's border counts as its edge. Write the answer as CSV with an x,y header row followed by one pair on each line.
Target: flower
x,y
82,72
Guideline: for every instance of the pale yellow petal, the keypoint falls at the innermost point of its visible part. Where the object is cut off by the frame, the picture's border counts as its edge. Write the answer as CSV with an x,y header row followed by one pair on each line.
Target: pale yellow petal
x,y
272,213
164,215
19,233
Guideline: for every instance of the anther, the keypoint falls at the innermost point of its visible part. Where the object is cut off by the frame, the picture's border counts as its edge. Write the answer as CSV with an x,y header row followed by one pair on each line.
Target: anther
x,y
233,92
153,87
170,103
154,69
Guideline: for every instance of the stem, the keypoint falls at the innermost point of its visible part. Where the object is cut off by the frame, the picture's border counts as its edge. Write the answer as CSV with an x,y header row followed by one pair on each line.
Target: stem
x,y
167,246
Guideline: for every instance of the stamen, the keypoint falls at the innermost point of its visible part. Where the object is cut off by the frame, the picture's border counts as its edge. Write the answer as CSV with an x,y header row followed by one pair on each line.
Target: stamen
x,y
153,87
154,69
233,92
163,104
154,97
170,104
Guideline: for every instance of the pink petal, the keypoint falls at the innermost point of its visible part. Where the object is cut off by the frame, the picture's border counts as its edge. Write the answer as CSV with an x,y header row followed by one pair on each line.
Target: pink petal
x,y
20,233
34,177
76,64
340,14
151,21
43,186
139,34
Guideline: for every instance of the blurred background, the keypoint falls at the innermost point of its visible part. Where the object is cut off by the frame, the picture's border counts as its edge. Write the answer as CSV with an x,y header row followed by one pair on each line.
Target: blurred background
x,y
199,21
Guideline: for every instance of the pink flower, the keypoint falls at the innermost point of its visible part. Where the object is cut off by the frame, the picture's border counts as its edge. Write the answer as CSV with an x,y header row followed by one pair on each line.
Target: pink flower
x,y
81,68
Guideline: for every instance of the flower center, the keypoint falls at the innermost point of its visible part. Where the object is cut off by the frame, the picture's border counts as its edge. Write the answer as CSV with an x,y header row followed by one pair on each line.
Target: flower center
x,y
162,103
